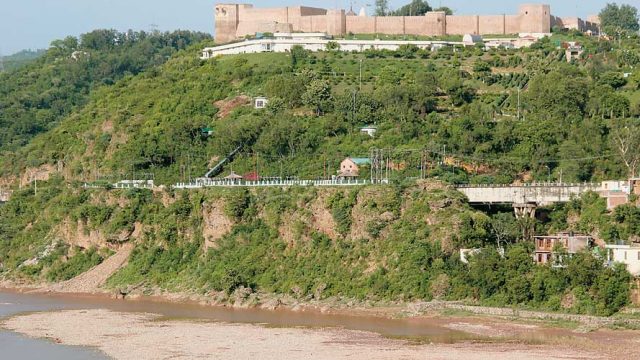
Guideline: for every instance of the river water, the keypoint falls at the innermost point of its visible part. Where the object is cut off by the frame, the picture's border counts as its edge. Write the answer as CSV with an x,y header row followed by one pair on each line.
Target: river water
x,y
19,347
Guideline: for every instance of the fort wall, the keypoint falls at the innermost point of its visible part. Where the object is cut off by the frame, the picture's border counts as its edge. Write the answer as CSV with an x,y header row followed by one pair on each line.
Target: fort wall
x,y
234,21
492,24
512,24
460,25
391,25
436,23
361,24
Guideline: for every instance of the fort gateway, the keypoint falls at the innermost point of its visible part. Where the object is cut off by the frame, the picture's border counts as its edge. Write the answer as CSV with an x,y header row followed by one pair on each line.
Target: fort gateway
x,y
236,21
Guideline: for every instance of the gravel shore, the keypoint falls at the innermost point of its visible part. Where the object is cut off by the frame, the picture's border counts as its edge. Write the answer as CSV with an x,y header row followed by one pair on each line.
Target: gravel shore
x,y
148,336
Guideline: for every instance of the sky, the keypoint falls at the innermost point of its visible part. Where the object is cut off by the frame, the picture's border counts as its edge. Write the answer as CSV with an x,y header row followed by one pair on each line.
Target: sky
x,y
33,24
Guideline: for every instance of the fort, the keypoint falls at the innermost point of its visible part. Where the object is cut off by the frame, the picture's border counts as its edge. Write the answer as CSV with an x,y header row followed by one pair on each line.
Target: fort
x,y
237,21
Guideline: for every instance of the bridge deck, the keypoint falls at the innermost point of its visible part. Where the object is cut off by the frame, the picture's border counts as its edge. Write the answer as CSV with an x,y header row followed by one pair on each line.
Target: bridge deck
x,y
539,193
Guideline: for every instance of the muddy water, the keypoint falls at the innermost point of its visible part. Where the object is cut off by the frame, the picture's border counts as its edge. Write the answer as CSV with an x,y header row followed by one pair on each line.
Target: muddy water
x,y
430,330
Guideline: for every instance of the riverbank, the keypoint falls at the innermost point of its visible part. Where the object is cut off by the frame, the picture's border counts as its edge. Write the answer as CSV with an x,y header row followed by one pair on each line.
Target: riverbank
x,y
149,336
246,299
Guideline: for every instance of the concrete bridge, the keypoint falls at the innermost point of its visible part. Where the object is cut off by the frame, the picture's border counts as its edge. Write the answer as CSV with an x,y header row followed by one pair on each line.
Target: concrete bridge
x,y
536,193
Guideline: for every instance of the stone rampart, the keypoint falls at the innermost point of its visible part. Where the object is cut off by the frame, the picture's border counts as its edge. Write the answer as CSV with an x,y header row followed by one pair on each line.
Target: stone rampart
x,y
235,21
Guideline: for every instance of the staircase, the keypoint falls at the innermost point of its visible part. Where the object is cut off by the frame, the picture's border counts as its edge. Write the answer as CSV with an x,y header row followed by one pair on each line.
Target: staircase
x,y
219,166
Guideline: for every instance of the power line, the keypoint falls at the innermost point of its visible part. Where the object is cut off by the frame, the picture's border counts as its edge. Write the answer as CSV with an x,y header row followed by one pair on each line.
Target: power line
x,y
501,159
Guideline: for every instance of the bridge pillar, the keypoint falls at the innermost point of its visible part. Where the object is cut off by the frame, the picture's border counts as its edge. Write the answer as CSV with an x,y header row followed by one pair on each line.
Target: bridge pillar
x,y
526,210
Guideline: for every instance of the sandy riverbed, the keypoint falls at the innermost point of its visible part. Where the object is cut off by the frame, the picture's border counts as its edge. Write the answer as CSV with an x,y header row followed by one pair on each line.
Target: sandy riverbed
x,y
147,336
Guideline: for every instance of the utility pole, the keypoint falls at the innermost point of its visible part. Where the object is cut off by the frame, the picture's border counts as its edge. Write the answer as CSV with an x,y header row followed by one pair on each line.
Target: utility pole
x,y
353,111
189,165
360,83
324,166
518,102
257,176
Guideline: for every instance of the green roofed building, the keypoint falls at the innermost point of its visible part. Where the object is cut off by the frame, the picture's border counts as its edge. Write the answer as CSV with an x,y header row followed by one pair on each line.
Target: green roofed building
x,y
350,167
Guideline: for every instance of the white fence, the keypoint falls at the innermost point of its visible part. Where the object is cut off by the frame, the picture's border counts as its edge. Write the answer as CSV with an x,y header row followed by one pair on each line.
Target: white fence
x,y
201,183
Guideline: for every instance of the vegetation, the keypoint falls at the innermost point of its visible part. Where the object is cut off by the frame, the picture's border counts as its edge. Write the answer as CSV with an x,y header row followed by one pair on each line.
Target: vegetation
x,y
112,106
405,259
414,8
619,19
19,59
37,96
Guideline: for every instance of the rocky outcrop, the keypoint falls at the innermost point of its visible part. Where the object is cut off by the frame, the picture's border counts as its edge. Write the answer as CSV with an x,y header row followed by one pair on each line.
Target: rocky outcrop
x,y
216,224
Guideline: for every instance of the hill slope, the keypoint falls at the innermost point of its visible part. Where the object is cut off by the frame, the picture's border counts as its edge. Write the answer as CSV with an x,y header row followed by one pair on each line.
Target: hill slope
x,y
453,109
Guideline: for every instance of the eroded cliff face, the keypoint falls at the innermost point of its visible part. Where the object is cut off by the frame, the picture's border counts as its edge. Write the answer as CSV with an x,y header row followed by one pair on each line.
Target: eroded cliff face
x,y
75,221
215,223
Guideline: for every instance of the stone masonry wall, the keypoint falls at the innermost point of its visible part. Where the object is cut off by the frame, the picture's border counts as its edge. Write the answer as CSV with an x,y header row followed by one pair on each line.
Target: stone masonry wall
x,y
238,20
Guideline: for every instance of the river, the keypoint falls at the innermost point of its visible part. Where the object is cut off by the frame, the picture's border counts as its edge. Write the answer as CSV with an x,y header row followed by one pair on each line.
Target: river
x,y
18,346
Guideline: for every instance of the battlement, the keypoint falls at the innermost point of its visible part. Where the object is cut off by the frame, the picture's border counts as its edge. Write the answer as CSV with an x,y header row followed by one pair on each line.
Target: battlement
x,y
235,21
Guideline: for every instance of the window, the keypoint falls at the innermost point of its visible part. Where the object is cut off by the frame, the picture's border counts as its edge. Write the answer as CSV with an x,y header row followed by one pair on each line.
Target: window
x,y
638,255
625,255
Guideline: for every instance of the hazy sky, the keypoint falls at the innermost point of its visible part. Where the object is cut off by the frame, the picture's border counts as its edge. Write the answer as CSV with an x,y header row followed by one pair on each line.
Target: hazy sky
x,y
34,24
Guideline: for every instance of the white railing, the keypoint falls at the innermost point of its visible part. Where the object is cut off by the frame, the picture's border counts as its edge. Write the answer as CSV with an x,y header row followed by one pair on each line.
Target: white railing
x,y
530,185
201,183
124,184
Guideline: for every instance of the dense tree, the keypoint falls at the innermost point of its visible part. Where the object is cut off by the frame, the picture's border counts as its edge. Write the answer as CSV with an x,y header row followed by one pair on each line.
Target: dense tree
x,y
558,95
414,8
446,10
615,19
318,96
382,7
57,82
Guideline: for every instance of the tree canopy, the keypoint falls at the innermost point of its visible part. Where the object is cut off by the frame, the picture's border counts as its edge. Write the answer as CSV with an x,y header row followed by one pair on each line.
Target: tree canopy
x,y
615,18
414,8
382,7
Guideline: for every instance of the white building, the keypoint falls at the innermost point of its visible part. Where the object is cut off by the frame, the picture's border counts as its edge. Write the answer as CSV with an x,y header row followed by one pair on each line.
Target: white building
x,y
625,254
369,130
260,102
499,43
283,42
615,192
471,39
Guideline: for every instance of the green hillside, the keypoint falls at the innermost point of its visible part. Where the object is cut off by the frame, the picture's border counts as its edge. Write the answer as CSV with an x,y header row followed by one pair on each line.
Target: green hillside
x,y
36,97
136,105
461,103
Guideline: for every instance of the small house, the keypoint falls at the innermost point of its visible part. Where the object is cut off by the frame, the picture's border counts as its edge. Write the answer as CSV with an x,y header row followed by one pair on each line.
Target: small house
x,y
625,254
260,102
471,39
350,167
573,50
233,176
206,131
615,192
546,246
369,130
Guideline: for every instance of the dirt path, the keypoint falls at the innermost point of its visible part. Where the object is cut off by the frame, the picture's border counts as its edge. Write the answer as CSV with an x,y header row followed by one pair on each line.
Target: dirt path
x,y
145,336
91,280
